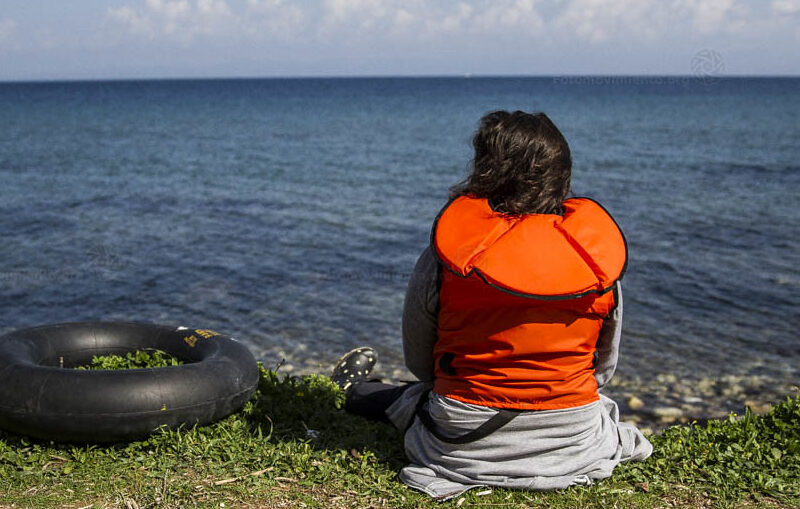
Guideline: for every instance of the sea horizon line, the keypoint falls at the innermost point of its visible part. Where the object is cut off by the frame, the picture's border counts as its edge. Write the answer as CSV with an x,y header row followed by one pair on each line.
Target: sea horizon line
x,y
589,77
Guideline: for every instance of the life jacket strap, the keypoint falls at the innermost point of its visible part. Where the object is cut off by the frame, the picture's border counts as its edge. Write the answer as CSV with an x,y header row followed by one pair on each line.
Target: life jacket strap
x,y
497,421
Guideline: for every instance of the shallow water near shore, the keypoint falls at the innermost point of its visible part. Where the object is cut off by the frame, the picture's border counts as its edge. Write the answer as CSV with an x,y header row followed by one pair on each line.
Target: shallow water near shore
x,y
289,213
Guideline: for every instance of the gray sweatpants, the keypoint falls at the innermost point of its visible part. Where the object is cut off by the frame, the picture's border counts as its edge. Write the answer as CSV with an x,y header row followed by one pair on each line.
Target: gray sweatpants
x,y
538,450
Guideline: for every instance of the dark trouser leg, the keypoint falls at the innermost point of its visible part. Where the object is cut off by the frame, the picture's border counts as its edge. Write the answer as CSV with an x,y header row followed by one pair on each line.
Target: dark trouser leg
x,y
371,399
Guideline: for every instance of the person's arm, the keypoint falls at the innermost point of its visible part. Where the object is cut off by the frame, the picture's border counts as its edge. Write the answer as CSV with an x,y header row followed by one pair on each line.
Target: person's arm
x,y
607,351
420,311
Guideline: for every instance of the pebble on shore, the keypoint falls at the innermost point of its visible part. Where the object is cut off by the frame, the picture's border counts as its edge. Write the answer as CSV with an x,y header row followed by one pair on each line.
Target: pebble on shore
x,y
635,403
668,414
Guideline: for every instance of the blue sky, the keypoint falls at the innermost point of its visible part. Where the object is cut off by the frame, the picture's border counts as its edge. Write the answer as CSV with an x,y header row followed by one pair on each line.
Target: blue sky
x,y
92,39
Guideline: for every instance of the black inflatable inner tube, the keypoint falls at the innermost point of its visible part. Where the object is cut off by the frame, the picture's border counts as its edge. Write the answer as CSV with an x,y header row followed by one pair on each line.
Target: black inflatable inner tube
x,y
41,396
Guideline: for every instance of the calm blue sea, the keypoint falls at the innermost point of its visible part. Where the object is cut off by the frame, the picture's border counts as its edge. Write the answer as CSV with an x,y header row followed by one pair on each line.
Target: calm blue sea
x,y
289,212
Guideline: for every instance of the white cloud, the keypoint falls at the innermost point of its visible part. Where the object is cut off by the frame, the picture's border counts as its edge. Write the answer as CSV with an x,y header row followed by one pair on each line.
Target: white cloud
x,y
131,19
451,22
212,7
786,6
709,15
354,17
429,19
179,20
582,17
169,9
403,18
336,22
354,30
600,20
266,19
510,13
8,29
489,17
356,14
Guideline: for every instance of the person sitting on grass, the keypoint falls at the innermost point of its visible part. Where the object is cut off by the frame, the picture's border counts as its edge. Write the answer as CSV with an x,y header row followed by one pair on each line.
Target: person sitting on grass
x,y
512,323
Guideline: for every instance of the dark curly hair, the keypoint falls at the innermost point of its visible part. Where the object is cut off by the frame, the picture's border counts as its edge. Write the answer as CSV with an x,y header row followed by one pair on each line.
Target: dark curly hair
x,y
522,164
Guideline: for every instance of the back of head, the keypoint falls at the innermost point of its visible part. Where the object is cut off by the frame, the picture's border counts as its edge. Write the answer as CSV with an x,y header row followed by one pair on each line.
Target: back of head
x,y
522,164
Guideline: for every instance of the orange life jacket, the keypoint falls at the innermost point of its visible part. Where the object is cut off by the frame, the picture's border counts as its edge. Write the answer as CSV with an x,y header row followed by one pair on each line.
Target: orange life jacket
x,y
522,301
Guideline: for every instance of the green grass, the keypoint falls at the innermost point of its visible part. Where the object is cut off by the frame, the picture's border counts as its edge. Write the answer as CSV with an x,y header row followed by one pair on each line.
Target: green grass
x,y
139,359
293,446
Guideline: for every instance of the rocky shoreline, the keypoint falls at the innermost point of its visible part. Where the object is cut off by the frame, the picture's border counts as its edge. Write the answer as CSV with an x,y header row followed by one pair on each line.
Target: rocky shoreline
x,y
652,403
668,399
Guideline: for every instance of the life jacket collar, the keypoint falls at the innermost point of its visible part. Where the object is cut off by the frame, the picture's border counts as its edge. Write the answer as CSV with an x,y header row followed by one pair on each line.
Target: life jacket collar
x,y
552,256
